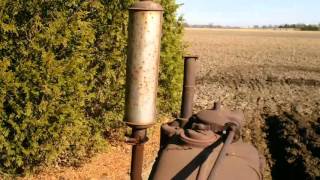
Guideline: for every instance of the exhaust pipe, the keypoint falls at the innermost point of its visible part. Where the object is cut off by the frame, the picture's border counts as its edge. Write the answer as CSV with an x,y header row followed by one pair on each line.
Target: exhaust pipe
x,y
189,81
145,28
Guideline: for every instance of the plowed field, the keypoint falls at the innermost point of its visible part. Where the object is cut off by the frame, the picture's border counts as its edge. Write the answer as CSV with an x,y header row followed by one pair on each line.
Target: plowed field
x,y
274,78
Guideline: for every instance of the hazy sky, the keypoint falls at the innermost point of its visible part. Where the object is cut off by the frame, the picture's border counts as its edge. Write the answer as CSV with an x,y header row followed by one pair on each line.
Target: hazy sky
x,y
250,12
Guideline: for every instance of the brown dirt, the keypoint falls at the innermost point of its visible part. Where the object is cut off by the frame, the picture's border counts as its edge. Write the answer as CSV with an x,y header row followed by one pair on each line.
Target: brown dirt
x,y
274,78
112,164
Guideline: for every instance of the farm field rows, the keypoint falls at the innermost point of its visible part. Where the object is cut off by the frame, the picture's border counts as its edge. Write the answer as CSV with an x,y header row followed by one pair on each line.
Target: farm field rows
x,y
274,78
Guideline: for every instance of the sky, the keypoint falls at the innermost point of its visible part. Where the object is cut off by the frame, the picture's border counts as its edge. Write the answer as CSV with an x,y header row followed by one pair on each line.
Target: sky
x,y
250,12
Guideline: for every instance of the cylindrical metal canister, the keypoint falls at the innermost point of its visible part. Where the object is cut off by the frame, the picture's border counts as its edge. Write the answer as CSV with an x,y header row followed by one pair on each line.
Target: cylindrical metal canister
x,y
145,28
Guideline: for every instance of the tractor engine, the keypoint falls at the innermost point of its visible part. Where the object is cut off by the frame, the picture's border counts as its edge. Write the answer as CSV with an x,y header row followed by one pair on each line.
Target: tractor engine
x,y
205,145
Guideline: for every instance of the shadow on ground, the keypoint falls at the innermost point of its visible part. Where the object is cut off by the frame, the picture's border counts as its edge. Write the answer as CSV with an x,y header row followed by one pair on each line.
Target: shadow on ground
x,y
294,144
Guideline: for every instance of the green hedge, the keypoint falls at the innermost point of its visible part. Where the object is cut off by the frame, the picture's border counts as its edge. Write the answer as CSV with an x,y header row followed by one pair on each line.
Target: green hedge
x,y
62,76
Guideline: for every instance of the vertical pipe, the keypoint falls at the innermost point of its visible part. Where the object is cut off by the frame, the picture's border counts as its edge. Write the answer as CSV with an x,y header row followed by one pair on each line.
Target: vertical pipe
x,y
137,162
140,135
145,22
189,81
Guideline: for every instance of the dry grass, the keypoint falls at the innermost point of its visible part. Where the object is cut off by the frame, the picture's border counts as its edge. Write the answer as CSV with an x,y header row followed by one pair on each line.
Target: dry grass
x,y
113,164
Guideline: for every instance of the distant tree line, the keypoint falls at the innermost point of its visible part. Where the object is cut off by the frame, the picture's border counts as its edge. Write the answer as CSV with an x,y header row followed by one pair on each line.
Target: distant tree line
x,y
209,26
301,27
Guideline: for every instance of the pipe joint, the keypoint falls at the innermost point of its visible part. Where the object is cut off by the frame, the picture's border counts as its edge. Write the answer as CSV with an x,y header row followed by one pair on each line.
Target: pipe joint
x,y
234,127
138,137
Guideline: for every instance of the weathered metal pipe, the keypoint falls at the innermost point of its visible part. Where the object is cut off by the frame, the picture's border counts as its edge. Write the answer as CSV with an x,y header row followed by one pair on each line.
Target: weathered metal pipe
x,y
145,21
189,81
140,137
223,151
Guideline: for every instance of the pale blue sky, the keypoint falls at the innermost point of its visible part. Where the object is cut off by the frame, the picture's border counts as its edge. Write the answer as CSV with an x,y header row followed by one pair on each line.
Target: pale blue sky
x,y
250,12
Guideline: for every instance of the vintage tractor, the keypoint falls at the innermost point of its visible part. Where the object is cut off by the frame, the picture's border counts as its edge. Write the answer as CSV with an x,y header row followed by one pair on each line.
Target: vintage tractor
x,y
205,145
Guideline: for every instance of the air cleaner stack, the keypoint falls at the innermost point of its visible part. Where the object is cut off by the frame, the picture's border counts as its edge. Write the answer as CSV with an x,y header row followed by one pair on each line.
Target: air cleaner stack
x,y
145,28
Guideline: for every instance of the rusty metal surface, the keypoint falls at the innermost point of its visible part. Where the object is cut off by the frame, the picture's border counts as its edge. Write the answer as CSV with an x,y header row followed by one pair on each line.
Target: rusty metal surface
x,y
183,162
216,118
222,152
138,137
196,150
189,81
143,63
145,28
198,138
241,162
136,162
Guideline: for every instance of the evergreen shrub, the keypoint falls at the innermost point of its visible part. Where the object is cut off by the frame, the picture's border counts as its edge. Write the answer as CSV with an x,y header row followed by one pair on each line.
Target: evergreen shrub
x,y
62,77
